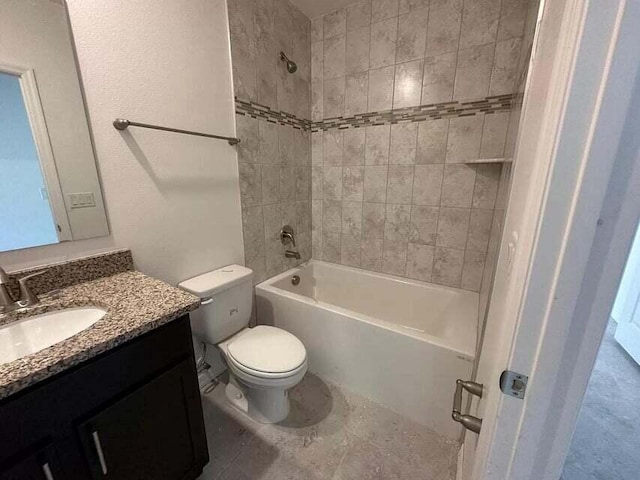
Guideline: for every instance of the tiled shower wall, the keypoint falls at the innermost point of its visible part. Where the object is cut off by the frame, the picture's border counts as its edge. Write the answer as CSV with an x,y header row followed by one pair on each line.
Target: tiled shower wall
x,y
396,194
272,114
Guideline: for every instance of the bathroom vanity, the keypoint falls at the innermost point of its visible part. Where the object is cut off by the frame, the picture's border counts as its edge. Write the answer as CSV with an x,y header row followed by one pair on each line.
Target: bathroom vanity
x,y
118,400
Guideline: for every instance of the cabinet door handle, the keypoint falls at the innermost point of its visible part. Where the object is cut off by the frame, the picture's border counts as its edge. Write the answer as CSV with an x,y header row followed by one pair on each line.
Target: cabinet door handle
x,y
96,443
47,471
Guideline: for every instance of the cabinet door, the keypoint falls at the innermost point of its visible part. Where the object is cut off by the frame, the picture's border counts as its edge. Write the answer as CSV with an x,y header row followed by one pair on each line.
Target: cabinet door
x,y
39,464
152,433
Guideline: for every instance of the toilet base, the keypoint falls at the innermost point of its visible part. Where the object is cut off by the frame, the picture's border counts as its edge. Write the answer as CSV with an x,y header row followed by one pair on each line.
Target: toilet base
x,y
270,405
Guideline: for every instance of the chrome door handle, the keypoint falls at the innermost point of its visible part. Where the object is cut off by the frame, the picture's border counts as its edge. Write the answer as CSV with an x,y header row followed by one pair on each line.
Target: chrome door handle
x,y
47,471
468,421
98,445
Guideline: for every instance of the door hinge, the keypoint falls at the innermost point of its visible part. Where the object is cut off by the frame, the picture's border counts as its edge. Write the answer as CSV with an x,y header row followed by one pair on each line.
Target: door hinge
x,y
513,384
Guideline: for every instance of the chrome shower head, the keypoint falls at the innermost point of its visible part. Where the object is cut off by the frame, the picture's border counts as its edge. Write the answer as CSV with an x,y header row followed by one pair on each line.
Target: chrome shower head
x,y
291,65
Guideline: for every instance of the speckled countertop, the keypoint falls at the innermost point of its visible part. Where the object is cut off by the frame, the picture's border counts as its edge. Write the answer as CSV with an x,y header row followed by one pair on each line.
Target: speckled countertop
x,y
135,304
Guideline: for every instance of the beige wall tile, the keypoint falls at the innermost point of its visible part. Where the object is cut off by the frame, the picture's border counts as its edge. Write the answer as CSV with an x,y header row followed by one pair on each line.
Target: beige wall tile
x,y
316,148
412,35
473,73
353,183
420,262
383,43
332,147
512,18
373,219
383,9
270,184
335,23
394,258
486,186
472,270
331,247
350,251
438,78
403,144
427,185
317,62
432,141
458,186
356,91
479,22
408,84
397,227
443,31
268,148
317,101
479,229
400,184
447,266
409,5
357,50
375,184
331,216
371,253
494,135
380,96
333,93
424,225
358,14
352,219
464,138
250,184
248,131
334,57
354,146
317,29
332,183
453,227
505,68
377,145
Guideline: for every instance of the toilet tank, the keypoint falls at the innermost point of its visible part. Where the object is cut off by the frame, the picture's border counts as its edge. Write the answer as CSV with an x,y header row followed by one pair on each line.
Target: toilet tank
x,y
227,295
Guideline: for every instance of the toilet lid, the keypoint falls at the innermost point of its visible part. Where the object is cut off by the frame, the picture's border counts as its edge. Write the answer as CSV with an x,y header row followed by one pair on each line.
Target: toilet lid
x,y
268,349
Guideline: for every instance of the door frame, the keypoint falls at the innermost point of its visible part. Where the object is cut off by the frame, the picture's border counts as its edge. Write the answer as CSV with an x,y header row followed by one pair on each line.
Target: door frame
x,y
46,158
585,176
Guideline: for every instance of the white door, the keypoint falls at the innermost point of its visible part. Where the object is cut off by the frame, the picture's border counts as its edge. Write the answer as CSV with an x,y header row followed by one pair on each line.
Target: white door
x,y
553,246
626,310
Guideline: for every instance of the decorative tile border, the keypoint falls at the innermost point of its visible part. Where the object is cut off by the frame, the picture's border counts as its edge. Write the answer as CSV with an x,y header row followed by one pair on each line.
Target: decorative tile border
x,y
255,110
421,113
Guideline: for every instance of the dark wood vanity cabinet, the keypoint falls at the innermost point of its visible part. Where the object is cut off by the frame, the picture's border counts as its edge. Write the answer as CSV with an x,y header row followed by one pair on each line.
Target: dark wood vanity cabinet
x,y
133,413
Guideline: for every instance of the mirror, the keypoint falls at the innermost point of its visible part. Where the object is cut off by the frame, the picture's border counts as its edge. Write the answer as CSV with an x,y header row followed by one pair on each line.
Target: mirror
x,y
49,185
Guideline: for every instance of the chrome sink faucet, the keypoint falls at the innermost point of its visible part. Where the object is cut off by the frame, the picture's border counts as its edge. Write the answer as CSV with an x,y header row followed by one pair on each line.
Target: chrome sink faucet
x,y
27,297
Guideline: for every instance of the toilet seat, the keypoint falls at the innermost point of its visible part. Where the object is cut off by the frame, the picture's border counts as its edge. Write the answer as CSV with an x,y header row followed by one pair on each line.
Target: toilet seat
x,y
267,352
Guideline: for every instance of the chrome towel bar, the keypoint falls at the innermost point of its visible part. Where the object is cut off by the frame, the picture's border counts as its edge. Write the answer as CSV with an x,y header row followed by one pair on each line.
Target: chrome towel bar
x,y
123,124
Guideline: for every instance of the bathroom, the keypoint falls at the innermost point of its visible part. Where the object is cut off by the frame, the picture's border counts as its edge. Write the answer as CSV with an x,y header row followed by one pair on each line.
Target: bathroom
x,y
277,226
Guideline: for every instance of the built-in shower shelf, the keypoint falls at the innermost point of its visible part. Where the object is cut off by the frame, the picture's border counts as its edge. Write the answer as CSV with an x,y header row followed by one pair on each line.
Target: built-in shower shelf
x,y
489,160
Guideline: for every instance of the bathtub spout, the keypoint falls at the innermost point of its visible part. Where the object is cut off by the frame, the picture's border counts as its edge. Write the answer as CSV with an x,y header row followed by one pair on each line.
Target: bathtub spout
x,y
292,254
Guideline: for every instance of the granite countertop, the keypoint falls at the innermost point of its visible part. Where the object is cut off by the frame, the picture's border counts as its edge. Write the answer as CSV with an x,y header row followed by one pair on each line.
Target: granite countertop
x,y
135,304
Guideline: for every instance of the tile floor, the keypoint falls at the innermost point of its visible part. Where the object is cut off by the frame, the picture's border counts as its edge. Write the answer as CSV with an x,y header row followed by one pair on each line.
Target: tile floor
x,y
329,434
606,442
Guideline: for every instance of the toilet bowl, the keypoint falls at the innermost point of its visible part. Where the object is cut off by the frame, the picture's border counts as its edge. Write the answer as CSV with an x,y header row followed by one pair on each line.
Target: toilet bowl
x,y
264,362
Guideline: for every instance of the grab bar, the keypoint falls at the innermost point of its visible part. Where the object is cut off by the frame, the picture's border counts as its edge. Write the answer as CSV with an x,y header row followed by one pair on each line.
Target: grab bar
x,y
469,422
123,124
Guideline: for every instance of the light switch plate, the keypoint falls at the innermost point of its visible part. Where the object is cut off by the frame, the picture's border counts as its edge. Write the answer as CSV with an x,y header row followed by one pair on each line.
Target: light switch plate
x,y
82,200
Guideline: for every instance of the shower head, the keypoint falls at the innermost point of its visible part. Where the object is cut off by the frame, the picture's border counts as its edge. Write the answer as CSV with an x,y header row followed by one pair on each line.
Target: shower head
x,y
291,65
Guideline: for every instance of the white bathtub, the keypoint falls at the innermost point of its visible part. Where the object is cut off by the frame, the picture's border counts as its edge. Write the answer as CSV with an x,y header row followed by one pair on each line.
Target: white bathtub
x,y
399,342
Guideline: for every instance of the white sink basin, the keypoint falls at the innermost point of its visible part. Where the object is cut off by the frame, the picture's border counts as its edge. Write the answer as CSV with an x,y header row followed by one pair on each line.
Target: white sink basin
x,y
36,333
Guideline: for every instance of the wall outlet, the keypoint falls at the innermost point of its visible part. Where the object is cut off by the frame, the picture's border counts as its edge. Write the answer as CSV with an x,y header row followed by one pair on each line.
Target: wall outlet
x,y
82,200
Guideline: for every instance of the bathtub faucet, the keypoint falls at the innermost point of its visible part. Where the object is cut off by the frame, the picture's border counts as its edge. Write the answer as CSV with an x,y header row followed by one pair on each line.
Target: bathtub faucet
x,y
292,254
287,236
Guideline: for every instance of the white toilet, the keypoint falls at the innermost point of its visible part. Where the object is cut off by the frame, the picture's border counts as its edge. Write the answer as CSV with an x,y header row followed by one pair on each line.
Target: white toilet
x,y
264,362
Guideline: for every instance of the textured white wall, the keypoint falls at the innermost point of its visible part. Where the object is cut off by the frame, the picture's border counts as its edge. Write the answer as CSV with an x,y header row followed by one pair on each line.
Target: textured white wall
x,y
173,199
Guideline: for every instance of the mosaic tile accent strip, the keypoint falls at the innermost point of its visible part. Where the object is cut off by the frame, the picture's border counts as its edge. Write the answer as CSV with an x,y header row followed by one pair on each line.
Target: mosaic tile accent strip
x,y
255,110
421,113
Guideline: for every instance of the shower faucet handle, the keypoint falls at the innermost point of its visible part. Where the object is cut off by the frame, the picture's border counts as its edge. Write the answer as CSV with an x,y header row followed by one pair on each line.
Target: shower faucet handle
x,y
287,235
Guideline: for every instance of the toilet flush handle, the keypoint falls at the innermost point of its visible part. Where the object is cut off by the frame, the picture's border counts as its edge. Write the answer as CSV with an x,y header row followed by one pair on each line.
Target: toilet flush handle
x,y
206,301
